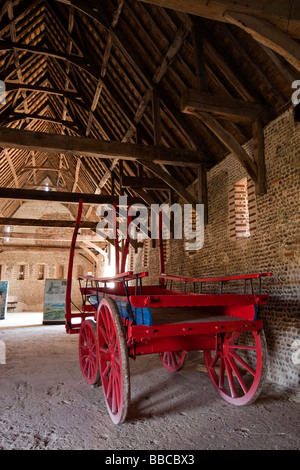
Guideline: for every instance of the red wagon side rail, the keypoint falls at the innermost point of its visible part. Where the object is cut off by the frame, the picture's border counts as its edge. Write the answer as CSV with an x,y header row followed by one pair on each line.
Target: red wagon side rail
x,y
222,280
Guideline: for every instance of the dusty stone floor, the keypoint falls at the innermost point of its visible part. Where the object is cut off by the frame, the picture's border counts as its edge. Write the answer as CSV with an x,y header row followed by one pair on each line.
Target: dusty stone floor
x,y
46,405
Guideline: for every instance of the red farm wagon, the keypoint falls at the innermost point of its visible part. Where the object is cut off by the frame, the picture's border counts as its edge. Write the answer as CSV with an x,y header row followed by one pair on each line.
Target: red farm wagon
x,y
116,324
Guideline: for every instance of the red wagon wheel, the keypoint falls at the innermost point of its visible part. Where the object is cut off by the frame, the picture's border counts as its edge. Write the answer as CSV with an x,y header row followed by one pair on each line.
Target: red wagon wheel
x,y
173,360
88,357
238,368
113,360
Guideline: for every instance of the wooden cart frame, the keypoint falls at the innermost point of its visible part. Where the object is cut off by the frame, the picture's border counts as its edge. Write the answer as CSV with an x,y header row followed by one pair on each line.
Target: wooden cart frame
x,y
129,320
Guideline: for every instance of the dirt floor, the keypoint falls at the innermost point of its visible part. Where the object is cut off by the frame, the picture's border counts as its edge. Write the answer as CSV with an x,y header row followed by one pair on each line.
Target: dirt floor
x,y
46,405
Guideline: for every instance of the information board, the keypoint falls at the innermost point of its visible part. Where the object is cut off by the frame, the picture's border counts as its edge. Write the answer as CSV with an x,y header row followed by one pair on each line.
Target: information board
x,y
3,299
55,301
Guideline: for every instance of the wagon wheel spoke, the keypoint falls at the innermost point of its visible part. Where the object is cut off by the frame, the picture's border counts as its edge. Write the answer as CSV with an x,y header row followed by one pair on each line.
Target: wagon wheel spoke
x,y
243,363
106,327
88,356
106,371
237,374
173,360
104,334
238,370
113,359
246,348
115,393
222,373
234,337
230,378
110,380
214,361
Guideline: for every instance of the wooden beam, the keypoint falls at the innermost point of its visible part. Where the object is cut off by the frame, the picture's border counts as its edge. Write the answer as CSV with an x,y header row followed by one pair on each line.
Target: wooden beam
x,y
44,168
225,107
13,222
135,182
230,143
73,59
61,197
283,14
97,259
264,32
157,133
60,236
13,86
200,64
35,117
172,182
36,248
202,191
54,143
259,154
12,169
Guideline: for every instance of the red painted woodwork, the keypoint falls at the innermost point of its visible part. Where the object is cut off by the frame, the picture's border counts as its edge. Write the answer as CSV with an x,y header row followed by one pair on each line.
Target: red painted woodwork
x,y
225,327
213,279
197,300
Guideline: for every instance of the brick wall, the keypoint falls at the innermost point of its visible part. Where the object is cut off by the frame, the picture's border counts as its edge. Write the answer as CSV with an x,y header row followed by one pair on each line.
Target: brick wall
x,y
273,245
29,292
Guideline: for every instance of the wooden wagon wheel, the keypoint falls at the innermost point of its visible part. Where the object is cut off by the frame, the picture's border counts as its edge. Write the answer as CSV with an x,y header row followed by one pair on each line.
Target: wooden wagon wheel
x,y
238,368
88,356
113,360
173,361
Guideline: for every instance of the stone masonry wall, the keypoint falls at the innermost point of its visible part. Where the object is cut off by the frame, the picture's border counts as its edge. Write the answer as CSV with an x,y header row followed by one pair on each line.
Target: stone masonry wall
x,y
29,293
272,247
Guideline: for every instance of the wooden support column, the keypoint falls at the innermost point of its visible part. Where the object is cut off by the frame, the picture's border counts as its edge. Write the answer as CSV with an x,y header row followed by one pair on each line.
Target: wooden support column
x,y
201,86
259,154
202,191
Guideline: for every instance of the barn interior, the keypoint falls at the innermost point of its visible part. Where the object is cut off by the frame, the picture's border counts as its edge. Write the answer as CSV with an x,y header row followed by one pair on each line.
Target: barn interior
x,y
186,103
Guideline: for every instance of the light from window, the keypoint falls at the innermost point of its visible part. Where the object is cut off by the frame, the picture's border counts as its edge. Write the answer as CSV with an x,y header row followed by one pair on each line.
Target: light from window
x,y
21,276
61,272
41,274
